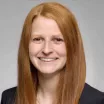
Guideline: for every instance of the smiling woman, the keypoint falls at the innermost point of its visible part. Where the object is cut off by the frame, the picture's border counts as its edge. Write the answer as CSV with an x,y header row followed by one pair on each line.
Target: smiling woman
x,y
47,50
51,61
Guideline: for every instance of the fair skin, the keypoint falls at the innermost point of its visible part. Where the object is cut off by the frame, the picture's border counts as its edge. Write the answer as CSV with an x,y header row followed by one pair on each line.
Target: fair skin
x,y
47,53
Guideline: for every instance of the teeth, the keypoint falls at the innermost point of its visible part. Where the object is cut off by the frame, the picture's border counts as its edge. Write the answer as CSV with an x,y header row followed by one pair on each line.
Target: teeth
x,y
47,59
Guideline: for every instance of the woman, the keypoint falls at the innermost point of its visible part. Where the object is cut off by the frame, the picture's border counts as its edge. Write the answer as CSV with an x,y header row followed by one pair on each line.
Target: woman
x,y
51,60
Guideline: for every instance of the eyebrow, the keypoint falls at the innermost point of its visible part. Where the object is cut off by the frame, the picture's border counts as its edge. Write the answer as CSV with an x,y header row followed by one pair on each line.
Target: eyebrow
x,y
58,35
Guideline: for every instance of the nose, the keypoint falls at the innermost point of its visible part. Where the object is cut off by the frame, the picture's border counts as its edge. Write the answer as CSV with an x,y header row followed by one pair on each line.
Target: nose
x,y
47,49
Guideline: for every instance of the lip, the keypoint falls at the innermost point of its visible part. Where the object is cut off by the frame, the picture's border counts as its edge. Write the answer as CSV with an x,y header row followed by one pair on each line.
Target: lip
x,y
47,58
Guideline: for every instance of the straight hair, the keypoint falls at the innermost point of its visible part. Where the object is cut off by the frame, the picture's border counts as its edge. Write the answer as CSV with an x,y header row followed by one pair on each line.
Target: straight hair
x,y
72,79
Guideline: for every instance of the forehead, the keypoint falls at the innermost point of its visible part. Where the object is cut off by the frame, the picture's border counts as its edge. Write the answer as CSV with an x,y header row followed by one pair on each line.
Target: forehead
x,y
42,25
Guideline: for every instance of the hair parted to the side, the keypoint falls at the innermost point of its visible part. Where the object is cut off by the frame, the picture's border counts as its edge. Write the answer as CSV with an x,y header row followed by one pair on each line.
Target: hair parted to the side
x,y
72,80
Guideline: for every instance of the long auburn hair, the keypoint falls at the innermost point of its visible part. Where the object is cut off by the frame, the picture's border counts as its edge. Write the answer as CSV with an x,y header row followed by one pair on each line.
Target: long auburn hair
x,y
72,80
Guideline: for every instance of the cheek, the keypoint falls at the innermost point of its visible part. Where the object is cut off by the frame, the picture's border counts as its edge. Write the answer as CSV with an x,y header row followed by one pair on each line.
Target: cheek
x,y
34,49
61,50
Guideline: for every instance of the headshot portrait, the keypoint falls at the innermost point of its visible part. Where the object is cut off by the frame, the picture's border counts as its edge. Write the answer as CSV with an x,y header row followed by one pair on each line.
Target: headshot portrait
x,y
51,59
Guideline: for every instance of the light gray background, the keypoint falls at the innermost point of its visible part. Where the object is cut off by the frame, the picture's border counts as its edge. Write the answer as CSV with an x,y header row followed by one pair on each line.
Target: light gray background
x,y
90,16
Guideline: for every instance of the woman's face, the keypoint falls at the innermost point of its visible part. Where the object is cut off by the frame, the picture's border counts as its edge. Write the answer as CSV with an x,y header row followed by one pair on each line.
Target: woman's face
x,y
47,49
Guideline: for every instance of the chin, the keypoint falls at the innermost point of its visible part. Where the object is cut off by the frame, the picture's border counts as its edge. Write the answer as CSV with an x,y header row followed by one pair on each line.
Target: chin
x,y
48,72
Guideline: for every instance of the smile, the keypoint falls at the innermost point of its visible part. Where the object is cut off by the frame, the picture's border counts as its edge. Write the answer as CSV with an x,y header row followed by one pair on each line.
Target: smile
x,y
47,59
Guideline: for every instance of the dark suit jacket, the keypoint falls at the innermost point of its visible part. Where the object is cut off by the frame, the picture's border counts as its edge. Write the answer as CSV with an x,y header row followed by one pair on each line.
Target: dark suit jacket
x,y
89,96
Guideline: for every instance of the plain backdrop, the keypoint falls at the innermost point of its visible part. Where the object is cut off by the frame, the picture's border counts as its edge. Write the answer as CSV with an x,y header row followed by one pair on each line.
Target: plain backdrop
x,y
90,17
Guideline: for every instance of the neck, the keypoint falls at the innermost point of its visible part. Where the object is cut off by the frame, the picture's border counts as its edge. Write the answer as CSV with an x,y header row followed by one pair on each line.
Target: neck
x,y
47,85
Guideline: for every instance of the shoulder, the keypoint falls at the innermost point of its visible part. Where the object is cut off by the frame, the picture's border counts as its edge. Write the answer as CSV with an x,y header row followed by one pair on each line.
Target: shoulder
x,y
8,95
91,95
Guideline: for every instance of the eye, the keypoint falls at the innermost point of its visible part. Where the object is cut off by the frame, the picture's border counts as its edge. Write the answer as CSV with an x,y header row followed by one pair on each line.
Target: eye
x,y
37,40
58,40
